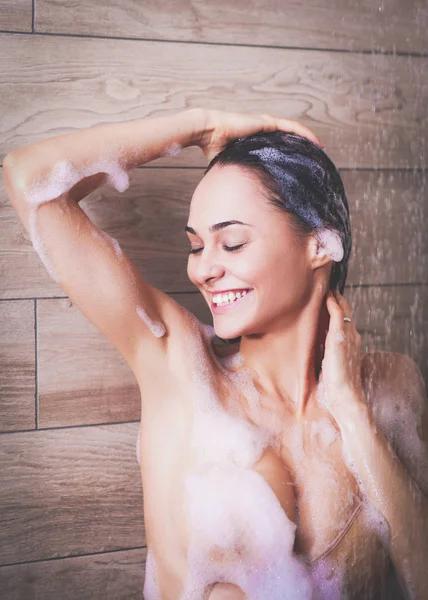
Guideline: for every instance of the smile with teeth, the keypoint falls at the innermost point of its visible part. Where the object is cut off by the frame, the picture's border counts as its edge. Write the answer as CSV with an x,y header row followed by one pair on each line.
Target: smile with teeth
x,y
228,297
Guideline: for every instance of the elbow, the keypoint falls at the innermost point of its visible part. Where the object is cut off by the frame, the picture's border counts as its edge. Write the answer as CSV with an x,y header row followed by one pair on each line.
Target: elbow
x,y
14,179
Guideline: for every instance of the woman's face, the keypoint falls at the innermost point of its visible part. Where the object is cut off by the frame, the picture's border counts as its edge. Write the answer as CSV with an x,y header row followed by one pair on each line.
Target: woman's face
x,y
272,262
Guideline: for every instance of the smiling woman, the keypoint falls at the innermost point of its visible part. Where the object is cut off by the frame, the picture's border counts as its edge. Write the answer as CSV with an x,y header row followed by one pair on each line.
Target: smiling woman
x,y
264,474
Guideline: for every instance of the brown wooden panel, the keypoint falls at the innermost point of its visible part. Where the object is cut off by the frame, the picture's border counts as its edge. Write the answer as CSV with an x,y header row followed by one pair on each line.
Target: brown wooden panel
x,y
388,216
16,15
17,365
369,109
82,378
113,576
69,491
392,24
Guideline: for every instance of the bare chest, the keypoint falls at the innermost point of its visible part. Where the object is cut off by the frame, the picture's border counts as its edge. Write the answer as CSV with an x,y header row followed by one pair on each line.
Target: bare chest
x,y
222,490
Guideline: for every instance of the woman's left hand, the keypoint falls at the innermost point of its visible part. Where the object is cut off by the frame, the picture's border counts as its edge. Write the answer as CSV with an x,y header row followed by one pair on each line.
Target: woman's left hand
x,y
341,367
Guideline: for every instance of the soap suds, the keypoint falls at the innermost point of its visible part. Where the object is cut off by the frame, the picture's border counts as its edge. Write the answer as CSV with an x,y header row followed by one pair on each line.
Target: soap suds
x,y
60,180
156,327
173,150
151,588
241,535
103,235
332,244
273,161
324,432
64,176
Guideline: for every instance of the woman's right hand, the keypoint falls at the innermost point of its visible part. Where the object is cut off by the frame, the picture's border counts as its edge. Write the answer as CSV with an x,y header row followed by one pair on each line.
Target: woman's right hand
x,y
222,127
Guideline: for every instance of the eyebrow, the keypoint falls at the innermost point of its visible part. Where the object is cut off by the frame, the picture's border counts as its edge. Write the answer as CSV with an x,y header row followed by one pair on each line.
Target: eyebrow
x,y
217,226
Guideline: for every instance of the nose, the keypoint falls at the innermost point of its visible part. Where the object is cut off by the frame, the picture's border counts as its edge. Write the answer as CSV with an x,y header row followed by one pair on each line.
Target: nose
x,y
207,268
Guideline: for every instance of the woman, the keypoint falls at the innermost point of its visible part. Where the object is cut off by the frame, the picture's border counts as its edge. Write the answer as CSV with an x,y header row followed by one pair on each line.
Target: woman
x,y
264,473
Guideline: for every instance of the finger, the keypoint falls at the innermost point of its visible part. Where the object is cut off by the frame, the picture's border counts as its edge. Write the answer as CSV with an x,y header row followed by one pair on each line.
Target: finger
x,y
299,129
343,303
289,126
336,312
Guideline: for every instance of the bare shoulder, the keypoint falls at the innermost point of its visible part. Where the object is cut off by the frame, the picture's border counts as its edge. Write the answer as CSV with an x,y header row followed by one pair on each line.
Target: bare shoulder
x,y
396,393
391,374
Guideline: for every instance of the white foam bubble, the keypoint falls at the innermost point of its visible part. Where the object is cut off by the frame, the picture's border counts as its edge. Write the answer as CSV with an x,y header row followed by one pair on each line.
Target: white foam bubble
x,y
325,432
329,580
332,243
103,235
64,176
173,150
239,532
376,521
340,337
268,154
151,588
156,327
241,535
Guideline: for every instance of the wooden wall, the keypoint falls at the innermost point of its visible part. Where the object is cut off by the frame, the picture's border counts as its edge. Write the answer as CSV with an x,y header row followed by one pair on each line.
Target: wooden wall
x,y
71,513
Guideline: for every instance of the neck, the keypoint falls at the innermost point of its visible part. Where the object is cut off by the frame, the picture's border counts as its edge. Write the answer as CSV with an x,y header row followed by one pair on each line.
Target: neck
x,y
286,360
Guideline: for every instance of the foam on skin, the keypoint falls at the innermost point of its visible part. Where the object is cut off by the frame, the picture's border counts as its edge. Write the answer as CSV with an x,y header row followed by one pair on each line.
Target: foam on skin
x,y
239,532
332,244
174,149
156,327
60,180
64,176
328,238
151,589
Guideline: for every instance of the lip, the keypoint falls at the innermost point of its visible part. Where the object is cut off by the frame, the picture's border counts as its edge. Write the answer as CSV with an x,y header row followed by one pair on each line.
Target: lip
x,y
221,309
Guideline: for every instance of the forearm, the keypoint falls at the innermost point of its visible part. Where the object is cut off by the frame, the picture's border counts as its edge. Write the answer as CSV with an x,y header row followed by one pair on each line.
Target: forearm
x,y
59,163
391,491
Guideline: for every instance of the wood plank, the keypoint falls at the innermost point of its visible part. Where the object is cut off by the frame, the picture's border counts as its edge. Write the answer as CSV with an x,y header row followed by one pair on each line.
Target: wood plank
x,y
69,491
17,365
112,576
402,26
356,103
388,217
16,15
85,380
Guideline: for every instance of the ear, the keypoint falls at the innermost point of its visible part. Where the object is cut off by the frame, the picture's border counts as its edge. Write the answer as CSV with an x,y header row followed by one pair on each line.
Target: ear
x,y
318,254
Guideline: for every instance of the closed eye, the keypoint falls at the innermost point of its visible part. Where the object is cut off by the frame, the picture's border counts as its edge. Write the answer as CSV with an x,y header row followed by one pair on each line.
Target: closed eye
x,y
227,248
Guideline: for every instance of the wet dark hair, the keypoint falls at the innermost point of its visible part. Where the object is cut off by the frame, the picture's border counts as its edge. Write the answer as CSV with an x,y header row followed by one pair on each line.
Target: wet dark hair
x,y
299,179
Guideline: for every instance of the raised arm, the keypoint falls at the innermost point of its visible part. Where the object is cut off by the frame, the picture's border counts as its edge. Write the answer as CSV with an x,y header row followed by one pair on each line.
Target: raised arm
x,y
45,182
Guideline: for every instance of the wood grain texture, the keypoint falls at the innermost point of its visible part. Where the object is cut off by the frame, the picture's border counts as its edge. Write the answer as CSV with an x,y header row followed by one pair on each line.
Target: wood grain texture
x,y
69,491
82,378
369,109
388,210
389,216
389,25
17,365
112,576
16,15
